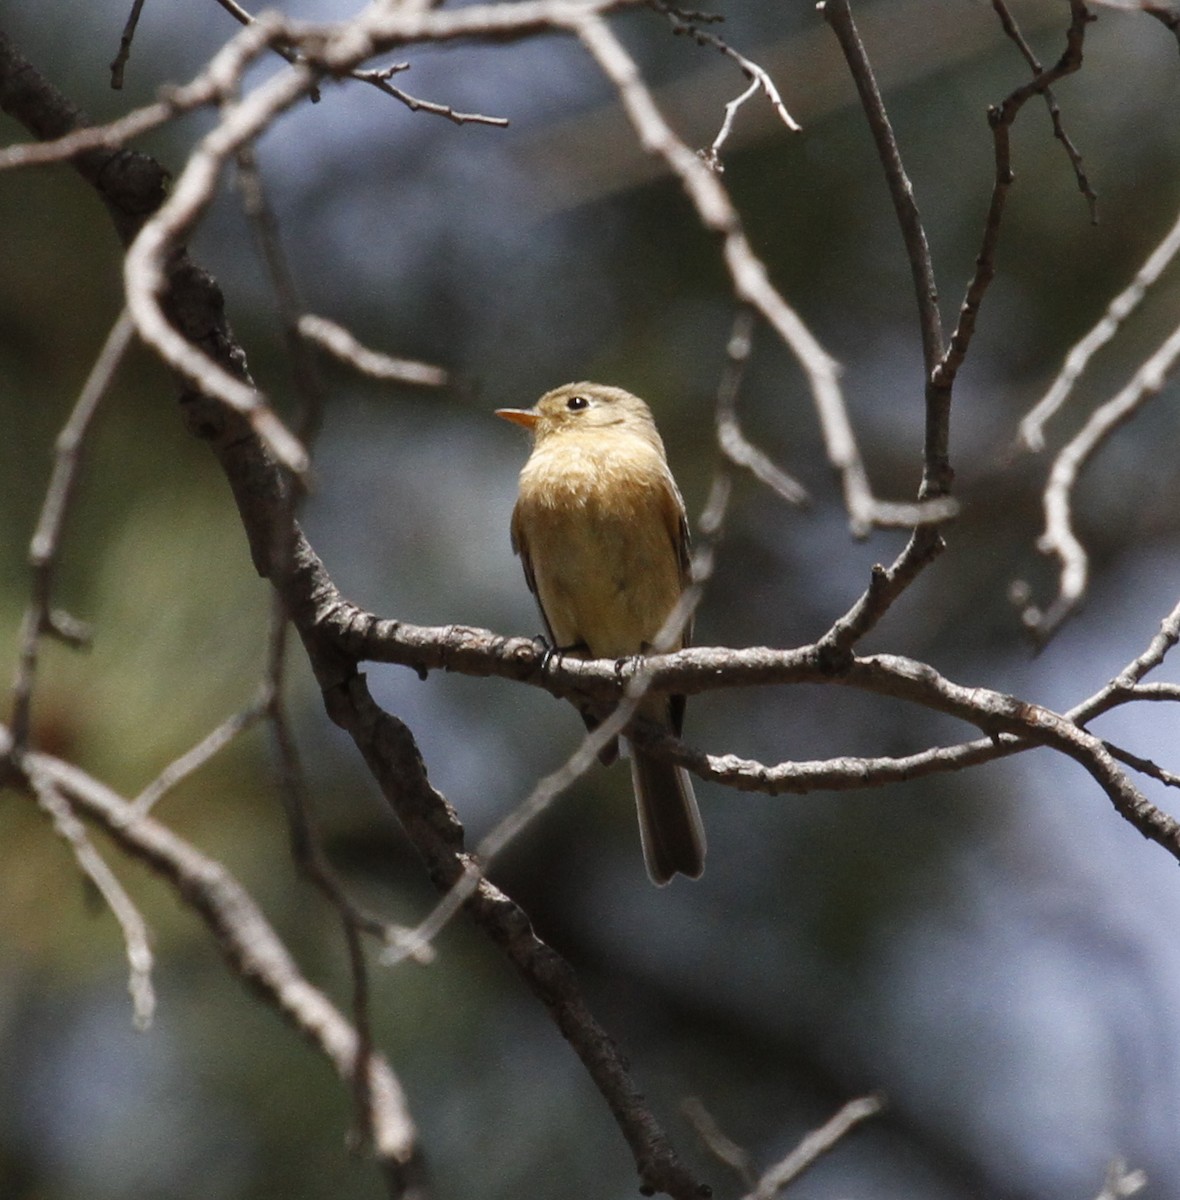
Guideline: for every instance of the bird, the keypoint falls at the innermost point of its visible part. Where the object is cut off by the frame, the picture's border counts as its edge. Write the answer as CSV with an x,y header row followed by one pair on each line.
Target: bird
x,y
601,531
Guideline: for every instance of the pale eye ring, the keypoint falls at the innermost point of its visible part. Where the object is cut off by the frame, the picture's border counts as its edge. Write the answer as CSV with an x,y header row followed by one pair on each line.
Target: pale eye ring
x,y
577,403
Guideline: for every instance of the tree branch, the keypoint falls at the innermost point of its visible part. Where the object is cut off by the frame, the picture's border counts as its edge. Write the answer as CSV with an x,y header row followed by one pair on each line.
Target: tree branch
x,y
751,284
1059,539
281,554
243,934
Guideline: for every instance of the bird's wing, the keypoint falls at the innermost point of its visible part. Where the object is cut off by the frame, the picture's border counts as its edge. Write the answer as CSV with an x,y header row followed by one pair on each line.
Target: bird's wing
x,y
676,522
520,546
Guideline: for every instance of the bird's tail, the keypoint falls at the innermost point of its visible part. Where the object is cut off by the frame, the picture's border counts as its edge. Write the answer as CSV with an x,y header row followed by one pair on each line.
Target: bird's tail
x,y
669,820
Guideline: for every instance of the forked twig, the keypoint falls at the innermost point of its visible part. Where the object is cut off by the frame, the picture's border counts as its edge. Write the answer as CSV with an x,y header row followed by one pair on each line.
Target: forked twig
x,y
1012,30
1001,118
688,24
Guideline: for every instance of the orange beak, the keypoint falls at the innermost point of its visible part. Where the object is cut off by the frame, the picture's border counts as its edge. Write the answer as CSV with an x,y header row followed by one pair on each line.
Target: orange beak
x,y
518,416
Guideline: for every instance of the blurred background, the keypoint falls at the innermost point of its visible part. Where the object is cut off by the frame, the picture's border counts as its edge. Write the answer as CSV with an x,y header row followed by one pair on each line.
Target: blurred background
x,y
995,952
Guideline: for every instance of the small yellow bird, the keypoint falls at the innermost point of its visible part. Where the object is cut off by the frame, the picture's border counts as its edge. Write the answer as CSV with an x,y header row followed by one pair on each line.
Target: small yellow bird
x,y
601,532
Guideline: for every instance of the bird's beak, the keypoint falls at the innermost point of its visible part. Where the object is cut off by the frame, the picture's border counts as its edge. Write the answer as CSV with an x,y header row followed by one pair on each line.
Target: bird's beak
x,y
518,416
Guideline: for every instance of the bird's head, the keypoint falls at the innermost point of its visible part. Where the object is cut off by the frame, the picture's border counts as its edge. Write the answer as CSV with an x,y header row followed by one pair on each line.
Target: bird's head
x,y
574,407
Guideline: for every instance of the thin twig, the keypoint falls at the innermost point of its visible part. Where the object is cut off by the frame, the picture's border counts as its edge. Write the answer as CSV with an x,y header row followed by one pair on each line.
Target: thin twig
x,y
886,584
306,844
1001,118
240,15
120,59
307,852
94,867
417,942
340,342
1012,30
1144,766
718,1143
838,14
712,156
265,224
925,543
733,442
1032,427
193,760
145,268
380,80
39,617
1059,539
814,1146
688,24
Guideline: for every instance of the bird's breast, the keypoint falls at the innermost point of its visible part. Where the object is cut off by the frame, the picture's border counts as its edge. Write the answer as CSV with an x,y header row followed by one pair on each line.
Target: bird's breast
x,y
600,526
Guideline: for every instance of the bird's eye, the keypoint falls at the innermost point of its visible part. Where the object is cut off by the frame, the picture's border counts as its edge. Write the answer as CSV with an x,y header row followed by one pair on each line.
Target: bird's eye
x,y
577,403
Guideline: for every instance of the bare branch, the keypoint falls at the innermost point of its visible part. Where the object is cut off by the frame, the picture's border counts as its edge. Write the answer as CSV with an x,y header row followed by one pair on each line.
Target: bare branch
x,y
750,281
193,760
339,342
39,617
714,1139
699,669
838,15
245,937
145,270
94,867
120,59
814,1146
1001,118
1032,427
1059,539
1012,30
686,24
